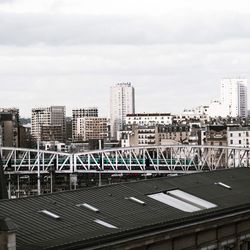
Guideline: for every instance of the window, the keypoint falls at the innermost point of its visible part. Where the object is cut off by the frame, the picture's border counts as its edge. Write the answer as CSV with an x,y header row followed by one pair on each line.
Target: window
x,y
231,142
136,200
186,197
228,244
211,247
239,141
239,134
85,205
182,201
245,245
223,185
168,200
105,224
49,214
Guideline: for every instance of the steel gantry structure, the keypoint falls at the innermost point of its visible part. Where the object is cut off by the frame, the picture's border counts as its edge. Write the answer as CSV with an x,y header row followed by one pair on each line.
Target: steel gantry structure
x,y
147,159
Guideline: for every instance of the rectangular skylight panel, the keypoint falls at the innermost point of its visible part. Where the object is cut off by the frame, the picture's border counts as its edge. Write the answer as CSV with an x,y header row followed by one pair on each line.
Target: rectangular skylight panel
x,y
137,200
94,209
173,202
223,185
50,214
191,199
105,224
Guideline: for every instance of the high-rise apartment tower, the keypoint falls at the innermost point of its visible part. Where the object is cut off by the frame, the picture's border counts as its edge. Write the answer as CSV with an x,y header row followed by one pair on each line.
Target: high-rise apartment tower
x,y
122,102
234,97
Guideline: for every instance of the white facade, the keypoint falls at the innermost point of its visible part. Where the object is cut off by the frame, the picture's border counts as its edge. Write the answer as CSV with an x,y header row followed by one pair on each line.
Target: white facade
x,y
55,146
122,102
238,136
234,97
216,109
147,119
200,112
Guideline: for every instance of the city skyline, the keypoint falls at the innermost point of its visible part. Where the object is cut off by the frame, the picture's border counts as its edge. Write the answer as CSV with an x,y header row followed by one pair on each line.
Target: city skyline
x,y
70,52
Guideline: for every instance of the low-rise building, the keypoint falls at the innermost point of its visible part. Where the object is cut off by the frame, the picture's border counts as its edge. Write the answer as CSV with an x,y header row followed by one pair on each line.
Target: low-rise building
x,y
238,136
135,135
76,115
208,210
55,146
52,133
216,135
89,128
149,119
9,127
178,133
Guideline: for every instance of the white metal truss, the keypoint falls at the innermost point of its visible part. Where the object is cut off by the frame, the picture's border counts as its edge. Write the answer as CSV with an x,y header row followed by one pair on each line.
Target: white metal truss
x,y
161,159
147,159
25,161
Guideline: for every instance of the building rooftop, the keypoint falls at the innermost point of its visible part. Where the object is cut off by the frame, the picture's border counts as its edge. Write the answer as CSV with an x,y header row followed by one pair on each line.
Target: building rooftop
x,y
239,128
148,114
86,217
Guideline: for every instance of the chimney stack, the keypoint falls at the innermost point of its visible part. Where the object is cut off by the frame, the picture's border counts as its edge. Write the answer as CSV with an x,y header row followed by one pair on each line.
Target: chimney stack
x,y
7,234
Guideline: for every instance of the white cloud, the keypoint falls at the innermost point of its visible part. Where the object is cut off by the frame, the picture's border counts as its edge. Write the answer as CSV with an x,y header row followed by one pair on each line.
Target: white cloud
x,y
69,52
50,29
120,7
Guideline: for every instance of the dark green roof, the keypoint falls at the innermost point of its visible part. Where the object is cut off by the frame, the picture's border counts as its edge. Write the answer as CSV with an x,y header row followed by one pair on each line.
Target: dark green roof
x,y
76,224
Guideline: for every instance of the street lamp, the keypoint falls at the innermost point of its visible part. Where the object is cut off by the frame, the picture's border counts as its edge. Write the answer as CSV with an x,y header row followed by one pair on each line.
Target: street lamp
x,y
9,169
101,165
38,162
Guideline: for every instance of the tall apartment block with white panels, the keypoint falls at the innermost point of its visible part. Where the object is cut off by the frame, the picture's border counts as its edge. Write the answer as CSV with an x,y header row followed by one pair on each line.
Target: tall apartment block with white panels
x,y
234,97
122,102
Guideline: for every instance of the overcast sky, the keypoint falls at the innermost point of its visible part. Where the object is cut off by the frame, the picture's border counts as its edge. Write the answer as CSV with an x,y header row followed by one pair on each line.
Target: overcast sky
x,y
69,52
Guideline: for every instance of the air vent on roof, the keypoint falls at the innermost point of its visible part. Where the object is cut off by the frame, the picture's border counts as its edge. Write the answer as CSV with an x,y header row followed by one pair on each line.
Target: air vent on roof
x,y
105,224
136,200
94,209
50,214
223,185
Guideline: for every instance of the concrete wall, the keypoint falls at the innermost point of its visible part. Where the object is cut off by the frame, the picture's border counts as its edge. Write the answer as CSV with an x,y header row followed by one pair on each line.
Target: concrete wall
x,y
7,241
227,233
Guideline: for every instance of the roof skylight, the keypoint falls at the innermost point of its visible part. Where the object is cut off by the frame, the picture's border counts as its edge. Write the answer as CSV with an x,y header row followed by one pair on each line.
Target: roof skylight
x,y
105,224
223,185
50,214
173,202
182,201
94,209
136,200
191,199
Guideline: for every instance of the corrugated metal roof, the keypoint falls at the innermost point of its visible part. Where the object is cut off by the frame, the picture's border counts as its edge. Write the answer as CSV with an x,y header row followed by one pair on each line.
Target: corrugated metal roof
x,y
38,231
